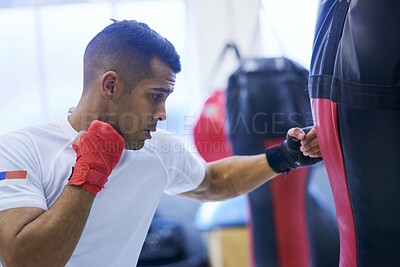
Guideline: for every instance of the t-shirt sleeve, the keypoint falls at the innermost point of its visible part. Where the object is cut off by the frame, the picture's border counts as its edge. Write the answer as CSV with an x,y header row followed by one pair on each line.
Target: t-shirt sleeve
x,y
184,169
20,184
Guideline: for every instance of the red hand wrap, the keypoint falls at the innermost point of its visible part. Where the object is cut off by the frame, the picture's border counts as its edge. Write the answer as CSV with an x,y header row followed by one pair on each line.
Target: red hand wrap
x,y
97,154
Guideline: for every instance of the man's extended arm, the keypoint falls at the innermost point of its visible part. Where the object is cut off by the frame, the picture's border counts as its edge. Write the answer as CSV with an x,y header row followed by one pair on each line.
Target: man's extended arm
x,y
233,176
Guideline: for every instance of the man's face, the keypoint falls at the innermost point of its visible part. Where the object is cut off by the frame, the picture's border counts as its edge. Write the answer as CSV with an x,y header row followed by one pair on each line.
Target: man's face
x,y
139,111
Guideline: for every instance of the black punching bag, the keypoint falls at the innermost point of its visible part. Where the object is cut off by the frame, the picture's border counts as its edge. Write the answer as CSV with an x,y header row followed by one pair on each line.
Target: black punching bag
x,y
266,97
355,90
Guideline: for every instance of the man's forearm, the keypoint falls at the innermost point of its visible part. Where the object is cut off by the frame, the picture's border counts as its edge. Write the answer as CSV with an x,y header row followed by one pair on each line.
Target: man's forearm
x,y
237,175
50,239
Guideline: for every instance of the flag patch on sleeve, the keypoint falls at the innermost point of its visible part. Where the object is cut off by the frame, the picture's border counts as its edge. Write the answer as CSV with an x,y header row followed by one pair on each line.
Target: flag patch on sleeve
x,y
10,175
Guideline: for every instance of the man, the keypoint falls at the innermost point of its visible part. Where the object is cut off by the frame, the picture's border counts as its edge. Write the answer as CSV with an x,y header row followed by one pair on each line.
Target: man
x,y
53,213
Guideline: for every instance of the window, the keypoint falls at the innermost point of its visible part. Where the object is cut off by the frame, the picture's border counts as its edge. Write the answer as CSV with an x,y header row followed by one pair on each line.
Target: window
x,y
42,46
288,29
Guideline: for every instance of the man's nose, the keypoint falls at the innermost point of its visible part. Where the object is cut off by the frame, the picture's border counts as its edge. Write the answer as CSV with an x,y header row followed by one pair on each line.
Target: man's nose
x,y
160,114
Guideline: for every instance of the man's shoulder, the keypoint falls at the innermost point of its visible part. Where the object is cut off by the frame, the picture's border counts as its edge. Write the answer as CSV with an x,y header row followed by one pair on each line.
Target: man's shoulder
x,y
32,137
164,137
168,144
162,142
29,131
161,134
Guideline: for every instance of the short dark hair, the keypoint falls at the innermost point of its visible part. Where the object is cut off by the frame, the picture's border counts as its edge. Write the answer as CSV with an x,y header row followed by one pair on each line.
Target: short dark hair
x,y
127,47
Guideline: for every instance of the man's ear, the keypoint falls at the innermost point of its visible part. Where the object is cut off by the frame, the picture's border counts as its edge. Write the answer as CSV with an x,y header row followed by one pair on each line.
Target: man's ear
x,y
110,84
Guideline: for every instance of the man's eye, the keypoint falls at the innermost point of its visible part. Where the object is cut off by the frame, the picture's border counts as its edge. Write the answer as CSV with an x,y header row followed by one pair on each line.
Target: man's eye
x,y
156,97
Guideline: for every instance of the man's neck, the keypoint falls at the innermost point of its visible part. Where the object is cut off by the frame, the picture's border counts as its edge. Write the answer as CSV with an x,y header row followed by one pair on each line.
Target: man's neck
x,y
81,118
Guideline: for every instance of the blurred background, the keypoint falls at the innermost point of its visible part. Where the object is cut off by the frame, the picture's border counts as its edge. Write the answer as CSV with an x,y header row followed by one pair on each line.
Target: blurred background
x,y
43,41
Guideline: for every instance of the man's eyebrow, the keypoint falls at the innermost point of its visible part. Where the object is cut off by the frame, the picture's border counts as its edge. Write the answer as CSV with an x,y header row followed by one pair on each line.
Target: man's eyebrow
x,y
163,90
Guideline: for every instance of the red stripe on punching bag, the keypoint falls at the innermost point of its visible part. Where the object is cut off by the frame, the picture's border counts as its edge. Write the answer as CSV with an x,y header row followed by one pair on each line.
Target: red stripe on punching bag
x,y
289,208
326,125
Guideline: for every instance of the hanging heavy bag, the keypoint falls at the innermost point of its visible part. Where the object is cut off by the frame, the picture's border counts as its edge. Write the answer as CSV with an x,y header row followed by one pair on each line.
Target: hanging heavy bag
x,y
265,98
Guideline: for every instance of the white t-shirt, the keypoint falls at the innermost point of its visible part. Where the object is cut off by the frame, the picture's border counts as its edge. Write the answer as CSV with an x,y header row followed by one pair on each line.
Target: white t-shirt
x,y
122,212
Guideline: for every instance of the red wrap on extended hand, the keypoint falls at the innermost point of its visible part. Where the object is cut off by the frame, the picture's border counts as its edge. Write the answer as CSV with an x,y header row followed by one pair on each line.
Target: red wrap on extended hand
x,y
98,152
